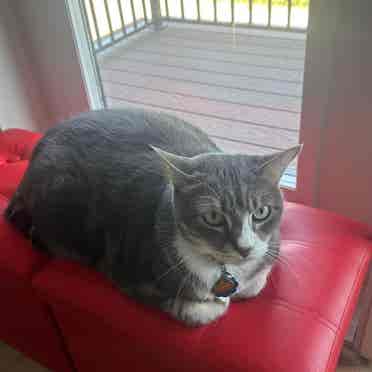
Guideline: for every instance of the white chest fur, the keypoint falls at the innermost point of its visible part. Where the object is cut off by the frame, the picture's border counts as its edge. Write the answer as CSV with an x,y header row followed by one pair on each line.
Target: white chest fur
x,y
203,268
209,271
251,281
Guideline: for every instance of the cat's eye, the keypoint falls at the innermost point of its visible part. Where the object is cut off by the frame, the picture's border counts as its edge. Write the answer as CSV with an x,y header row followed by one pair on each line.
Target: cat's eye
x,y
214,219
262,213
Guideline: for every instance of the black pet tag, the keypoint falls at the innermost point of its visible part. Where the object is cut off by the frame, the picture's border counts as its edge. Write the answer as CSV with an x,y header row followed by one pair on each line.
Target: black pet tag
x,y
226,285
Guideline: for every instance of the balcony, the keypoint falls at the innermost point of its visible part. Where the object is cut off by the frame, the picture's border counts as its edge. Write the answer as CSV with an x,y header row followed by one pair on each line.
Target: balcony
x,y
232,68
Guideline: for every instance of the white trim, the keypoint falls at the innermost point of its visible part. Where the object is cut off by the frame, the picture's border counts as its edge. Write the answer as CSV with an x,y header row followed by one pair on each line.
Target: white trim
x,y
318,75
88,63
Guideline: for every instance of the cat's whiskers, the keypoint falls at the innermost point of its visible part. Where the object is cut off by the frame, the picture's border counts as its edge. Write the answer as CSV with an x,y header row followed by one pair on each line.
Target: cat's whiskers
x,y
170,269
280,259
181,287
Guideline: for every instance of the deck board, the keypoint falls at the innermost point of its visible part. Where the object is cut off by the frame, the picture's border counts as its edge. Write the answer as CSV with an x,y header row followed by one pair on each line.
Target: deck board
x,y
195,89
155,43
212,79
198,105
234,47
268,138
226,143
273,39
243,88
202,64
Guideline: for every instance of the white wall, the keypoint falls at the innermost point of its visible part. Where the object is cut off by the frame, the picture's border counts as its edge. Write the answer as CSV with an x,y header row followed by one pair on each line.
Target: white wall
x,y
52,51
21,101
346,168
336,165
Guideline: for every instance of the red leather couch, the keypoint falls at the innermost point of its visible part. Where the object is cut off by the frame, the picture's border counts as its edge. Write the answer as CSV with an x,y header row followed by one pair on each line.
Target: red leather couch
x,y
69,318
26,322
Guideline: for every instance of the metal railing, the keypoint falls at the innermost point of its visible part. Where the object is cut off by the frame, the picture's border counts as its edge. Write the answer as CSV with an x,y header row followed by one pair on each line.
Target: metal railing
x,y
111,21
241,13
130,17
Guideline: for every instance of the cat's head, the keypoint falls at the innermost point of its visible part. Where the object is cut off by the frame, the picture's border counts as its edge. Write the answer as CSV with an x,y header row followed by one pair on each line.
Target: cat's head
x,y
227,206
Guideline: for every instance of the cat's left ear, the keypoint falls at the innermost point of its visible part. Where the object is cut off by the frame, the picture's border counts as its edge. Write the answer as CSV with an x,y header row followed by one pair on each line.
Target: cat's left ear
x,y
178,169
275,166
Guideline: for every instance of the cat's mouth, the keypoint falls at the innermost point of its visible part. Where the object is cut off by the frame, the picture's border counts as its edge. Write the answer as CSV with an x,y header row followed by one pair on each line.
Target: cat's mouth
x,y
228,255
234,254
232,257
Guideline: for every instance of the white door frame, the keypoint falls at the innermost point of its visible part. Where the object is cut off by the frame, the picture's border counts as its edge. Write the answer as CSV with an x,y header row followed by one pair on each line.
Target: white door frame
x,y
85,51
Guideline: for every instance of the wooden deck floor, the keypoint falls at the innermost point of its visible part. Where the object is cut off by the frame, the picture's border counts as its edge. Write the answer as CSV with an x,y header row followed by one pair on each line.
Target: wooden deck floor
x,y
243,87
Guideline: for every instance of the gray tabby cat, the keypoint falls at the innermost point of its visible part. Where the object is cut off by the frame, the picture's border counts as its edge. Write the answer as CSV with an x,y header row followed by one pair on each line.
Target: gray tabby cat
x,y
152,202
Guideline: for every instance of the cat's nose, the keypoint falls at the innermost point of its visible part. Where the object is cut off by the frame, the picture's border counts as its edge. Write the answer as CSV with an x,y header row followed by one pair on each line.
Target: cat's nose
x,y
244,251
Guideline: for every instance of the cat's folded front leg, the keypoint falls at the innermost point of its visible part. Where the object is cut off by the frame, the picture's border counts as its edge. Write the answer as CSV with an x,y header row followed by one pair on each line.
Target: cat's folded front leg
x,y
196,313
253,286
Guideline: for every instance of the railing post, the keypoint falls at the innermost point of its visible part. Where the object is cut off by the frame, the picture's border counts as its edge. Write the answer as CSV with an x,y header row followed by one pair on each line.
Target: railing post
x,y
156,14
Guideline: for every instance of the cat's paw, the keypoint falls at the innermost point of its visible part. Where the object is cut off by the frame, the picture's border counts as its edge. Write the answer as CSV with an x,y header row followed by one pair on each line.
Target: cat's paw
x,y
254,286
195,313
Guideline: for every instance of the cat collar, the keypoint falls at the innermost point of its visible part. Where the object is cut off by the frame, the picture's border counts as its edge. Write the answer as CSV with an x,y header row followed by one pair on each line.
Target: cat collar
x,y
226,285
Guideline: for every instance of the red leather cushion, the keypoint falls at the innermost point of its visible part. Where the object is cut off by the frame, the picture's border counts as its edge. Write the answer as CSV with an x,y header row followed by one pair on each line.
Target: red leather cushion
x,y
16,147
17,144
25,322
6,157
297,324
16,254
10,176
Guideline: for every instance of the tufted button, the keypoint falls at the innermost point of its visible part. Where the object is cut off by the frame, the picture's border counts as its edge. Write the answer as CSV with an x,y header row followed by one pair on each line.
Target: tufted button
x,y
12,158
8,157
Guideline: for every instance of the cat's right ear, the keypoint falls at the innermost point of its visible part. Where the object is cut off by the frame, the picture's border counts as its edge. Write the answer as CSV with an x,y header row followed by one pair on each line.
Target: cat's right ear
x,y
178,169
274,168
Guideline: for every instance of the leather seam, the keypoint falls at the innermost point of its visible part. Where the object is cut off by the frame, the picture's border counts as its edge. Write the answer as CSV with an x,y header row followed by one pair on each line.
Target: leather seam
x,y
337,331
301,310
